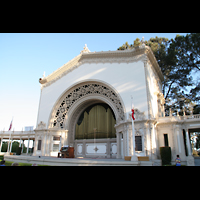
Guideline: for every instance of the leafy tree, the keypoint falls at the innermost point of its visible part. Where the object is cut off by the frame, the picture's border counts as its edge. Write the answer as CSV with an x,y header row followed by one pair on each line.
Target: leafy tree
x,y
197,141
125,46
178,58
187,52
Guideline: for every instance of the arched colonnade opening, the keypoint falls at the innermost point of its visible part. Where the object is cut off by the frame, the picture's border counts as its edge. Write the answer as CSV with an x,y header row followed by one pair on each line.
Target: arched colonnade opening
x,y
89,112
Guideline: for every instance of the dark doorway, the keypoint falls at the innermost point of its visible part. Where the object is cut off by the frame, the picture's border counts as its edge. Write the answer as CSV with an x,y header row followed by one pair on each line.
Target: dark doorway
x,y
185,143
166,140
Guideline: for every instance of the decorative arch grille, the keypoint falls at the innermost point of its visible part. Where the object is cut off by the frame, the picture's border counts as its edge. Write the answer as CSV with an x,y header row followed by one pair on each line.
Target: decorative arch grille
x,y
80,92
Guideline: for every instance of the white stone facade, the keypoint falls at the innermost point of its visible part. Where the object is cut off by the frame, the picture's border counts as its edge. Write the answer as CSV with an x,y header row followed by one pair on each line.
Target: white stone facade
x,y
110,77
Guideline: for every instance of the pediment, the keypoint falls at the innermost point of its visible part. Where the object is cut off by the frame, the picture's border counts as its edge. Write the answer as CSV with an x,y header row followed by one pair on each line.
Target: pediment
x,y
143,53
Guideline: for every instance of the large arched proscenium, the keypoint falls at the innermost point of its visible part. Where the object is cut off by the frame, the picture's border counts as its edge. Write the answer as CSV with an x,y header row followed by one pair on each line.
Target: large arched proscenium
x,y
78,108
88,90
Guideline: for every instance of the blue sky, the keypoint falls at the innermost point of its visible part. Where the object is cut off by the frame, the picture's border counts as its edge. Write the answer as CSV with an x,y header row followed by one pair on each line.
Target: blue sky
x,y
25,56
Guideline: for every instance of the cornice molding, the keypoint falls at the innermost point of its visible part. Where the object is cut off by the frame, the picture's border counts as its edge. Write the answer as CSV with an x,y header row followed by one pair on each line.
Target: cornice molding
x,y
142,53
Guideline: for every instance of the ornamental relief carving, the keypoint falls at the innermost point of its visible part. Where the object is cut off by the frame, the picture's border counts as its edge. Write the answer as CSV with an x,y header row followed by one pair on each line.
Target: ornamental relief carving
x,y
81,91
79,60
41,125
114,59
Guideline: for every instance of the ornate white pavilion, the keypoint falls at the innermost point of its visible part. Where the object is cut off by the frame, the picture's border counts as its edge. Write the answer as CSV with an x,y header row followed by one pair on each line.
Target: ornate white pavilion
x,y
86,104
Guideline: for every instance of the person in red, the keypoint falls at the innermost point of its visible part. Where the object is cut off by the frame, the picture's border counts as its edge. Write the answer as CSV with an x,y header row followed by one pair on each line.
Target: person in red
x,y
178,161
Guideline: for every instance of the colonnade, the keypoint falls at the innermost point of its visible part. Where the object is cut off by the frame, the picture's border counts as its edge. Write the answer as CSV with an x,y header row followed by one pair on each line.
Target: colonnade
x,y
21,136
21,144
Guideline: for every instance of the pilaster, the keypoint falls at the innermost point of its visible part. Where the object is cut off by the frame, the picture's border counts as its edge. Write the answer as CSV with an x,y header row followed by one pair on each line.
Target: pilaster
x,y
189,158
148,140
1,143
66,136
125,140
119,137
44,144
108,149
11,145
188,140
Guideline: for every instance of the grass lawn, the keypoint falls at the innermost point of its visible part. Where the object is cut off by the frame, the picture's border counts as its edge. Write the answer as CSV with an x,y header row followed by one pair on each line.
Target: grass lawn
x,y
9,163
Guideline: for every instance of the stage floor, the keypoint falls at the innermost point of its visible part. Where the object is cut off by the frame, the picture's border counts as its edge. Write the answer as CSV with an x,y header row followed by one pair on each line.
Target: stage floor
x,y
53,161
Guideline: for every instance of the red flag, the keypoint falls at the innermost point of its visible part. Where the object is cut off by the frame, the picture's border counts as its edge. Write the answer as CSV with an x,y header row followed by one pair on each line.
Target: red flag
x,y
10,126
133,114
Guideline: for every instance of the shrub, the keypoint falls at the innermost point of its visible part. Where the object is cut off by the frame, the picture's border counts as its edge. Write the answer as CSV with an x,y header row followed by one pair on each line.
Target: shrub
x,y
18,150
166,155
1,157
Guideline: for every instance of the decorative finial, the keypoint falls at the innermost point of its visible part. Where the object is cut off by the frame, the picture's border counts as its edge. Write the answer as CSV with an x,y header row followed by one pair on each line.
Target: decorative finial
x,y
170,112
184,111
43,79
143,39
143,42
85,49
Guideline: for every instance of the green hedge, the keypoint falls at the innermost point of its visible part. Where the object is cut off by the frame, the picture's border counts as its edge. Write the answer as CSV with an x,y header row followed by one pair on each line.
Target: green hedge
x,y
1,157
166,155
18,150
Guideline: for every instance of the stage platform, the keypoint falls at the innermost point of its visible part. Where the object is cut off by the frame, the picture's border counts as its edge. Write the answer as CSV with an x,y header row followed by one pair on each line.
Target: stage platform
x,y
53,161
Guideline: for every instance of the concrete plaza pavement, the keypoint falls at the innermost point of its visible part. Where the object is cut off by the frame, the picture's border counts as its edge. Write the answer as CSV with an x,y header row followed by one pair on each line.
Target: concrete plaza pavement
x,y
53,161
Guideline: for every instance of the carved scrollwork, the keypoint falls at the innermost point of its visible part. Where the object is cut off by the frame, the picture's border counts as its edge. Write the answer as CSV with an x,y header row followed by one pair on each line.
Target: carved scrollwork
x,y
41,125
139,115
80,92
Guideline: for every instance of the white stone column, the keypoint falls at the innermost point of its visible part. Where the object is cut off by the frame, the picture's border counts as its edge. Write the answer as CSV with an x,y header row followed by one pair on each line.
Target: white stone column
x,y
178,139
189,158
35,145
188,142
60,144
124,144
48,146
11,145
119,137
8,147
22,145
153,141
134,157
66,140
27,146
20,142
148,141
44,143
108,149
126,131
1,143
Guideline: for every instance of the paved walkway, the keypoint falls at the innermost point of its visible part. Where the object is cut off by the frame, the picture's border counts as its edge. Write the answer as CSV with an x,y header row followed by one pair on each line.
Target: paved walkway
x,y
47,160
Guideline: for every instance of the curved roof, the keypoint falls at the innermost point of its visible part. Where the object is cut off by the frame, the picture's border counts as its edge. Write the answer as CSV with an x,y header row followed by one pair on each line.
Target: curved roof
x,y
138,53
